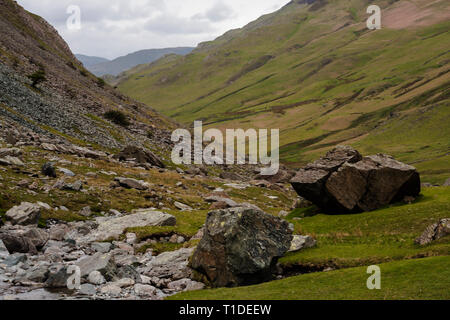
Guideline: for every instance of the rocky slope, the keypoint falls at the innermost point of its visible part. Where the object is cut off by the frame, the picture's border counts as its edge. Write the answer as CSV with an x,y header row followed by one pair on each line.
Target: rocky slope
x,y
67,103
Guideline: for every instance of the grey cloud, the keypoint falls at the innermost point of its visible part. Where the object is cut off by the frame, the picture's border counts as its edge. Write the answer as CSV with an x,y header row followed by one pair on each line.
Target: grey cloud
x,y
220,12
168,24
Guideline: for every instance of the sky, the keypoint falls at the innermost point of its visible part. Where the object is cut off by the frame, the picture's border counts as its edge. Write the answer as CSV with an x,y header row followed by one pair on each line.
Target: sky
x,y
112,28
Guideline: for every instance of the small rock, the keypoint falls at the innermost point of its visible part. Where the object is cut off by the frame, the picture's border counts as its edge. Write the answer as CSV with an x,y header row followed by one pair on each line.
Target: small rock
x,y
11,161
102,247
283,214
86,212
44,205
88,289
67,172
96,278
132,183
57,277
4,253
434,232
15,259
124,283
111,290
48,169
182,206
447,183
131,238
144,290
185,285
104,263
302,242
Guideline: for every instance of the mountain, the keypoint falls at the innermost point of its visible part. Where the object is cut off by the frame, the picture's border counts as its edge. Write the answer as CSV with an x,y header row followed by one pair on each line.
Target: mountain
x,y
45,90
314,70
121,64
89,61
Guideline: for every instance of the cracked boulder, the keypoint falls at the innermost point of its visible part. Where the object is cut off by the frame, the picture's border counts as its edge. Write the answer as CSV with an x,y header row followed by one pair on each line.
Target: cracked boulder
x,y
241,246
24,214
345,182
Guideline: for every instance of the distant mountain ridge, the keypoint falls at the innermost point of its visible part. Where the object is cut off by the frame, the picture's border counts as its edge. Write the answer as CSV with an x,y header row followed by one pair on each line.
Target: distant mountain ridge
x,y
89,61
47,93
121,64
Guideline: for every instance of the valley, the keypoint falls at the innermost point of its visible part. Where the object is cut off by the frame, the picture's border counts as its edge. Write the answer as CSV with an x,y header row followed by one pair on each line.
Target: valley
x,y
93,205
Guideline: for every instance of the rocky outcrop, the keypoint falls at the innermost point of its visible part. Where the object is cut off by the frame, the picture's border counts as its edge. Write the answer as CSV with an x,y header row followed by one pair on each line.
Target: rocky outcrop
x,y
112,228
345,182
139,155
241,246
434,232
24,214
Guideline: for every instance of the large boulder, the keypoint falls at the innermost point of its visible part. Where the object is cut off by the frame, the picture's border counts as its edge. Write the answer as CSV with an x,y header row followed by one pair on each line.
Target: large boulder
x,y
24,214
241,246
140,156
345,182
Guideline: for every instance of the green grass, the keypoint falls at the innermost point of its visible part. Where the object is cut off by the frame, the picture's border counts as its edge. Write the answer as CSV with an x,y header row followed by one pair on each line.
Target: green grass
x,y
372,237
402,280
350,243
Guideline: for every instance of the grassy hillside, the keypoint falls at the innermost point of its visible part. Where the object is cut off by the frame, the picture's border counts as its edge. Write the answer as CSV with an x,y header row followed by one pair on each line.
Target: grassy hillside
x,y
404,280
317,73
350,243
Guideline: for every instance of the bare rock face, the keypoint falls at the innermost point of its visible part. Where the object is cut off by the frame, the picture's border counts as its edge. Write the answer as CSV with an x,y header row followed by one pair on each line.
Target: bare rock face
x,y
345,182
112,228
241,246
140,156
434,232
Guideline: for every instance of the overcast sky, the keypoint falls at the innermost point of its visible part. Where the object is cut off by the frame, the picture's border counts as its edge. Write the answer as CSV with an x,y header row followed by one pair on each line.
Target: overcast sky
x,y
111,28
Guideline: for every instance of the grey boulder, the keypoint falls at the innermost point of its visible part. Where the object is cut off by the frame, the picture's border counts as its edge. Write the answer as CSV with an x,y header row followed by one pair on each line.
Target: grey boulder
x,y
241,246
103,263
345,182
24,214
